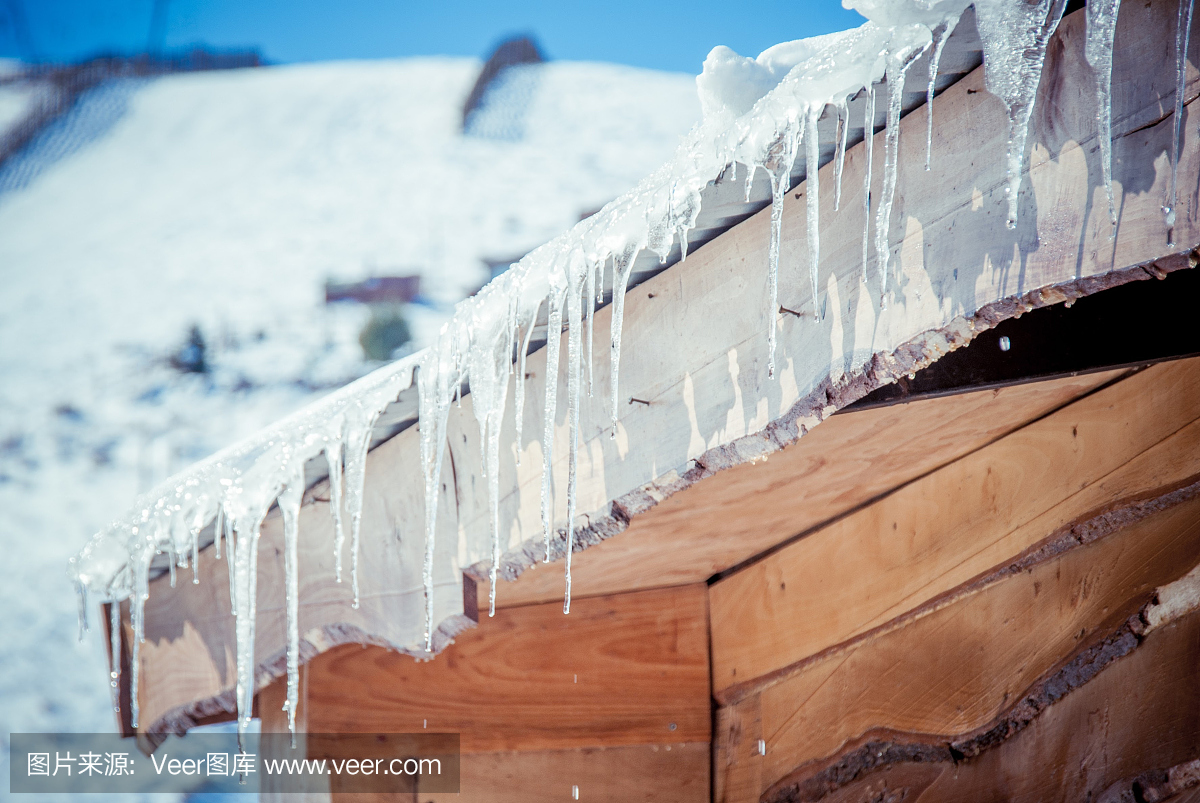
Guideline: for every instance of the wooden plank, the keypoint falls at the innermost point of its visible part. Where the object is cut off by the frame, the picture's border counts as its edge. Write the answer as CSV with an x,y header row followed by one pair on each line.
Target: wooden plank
x,y
662,773
1138,714
737,757
847,461
713,406
911,548
957,669
620,670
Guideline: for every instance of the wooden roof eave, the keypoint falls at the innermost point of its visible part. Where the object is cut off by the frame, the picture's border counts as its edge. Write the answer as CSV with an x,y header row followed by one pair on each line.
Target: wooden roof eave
x,y
711,405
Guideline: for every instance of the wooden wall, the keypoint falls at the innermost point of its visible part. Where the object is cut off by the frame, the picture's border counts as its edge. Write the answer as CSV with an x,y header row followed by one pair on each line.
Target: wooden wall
x,y
1019,620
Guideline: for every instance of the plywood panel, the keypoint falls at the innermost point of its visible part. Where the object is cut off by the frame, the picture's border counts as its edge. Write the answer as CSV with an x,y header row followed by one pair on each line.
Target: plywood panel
x,y
1127,441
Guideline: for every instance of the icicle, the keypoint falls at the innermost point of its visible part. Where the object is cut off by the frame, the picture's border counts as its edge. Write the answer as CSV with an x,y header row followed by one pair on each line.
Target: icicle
x,y
489,365
590,295
439,372
519,402
218,530
843,129
137,617
81,596
195,554
114,639
782,158
812,203
1183,31
230,546
333,459
171,567
553,346
622,268
245,569
869,141
357,443
896,70
573,401
289,507
1101,30
1014,36
940,36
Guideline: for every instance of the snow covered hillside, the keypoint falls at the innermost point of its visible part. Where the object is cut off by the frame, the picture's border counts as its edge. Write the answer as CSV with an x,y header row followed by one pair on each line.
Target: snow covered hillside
x,y
225,200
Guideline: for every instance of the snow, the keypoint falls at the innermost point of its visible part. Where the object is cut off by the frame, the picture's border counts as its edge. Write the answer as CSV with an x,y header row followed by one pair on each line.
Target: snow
x,y
756,113
226,199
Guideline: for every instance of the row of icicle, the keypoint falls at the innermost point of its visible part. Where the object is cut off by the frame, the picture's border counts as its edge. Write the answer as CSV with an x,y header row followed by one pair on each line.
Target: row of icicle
x,y
234,489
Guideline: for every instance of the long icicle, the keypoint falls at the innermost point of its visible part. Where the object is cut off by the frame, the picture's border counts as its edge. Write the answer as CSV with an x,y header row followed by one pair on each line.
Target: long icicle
x,y
869,142
843,130
896,71
1183,30
573,400
941,34
553,346
289,508
590,295
218,531
137,617
782,158
114,638
333,459
812,203
357,443
437,375
519,390
247,527
1101,31
622,268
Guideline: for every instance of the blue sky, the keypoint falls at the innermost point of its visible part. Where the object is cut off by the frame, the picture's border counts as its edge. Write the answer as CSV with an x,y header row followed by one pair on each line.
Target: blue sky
x,y
662,35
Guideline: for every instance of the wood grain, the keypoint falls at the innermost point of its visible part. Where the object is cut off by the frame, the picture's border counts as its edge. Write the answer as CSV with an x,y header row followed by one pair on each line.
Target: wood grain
x,y
847,461
660,773
1124,442
1141,713
956,669
619,670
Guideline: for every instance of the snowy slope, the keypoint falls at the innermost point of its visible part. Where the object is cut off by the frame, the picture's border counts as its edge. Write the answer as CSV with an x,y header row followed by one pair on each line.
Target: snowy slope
x,y
226,199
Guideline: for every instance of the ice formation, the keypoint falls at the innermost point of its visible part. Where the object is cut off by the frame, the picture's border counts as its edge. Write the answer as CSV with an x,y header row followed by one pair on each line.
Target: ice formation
x,y
1101,29
1183,30
1014,36
758,112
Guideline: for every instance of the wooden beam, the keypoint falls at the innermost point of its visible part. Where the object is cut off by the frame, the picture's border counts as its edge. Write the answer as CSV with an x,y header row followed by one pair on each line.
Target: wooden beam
x,y
928,540
730,517
620,670
957,674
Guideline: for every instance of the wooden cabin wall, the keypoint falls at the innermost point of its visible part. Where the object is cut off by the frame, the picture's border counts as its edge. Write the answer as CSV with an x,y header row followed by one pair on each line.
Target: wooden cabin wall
x,y
613,699
984,632
1022,622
